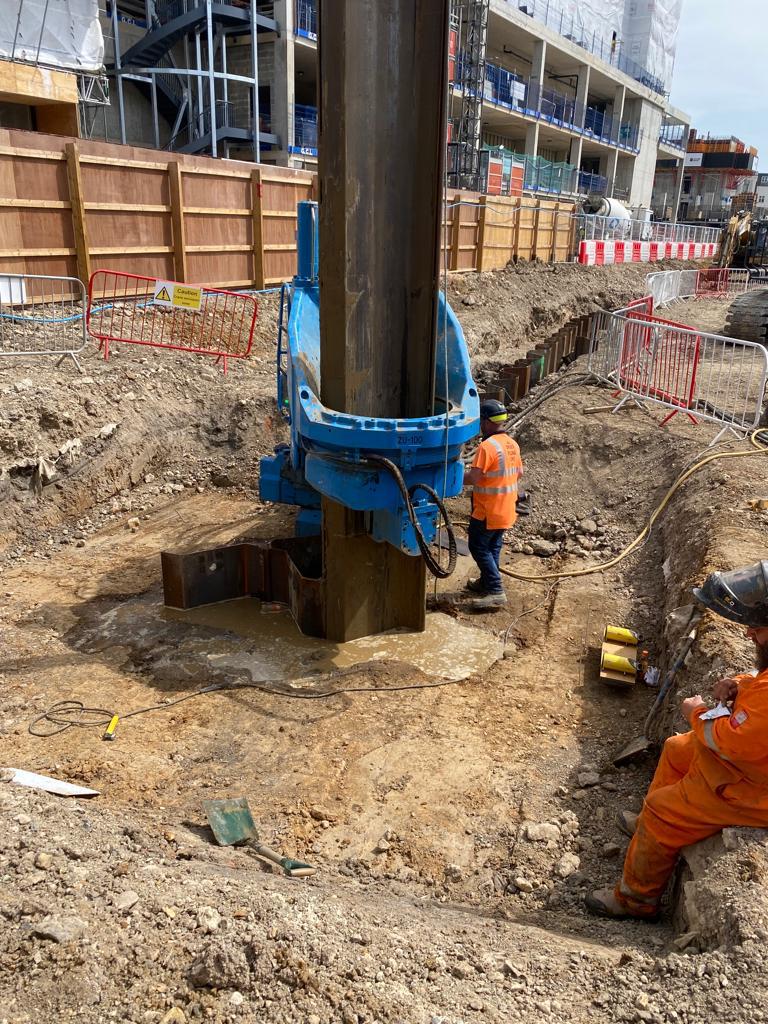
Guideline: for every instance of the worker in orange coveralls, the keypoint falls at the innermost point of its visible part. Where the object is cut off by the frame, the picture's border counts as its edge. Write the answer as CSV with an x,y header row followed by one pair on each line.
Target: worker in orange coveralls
x,y
714,776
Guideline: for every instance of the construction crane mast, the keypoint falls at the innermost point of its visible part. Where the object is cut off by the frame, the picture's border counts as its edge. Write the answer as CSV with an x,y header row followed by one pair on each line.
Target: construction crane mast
x,y
470,18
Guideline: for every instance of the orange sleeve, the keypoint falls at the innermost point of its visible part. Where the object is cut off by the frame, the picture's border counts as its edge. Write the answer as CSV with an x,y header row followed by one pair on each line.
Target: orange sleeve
x,y
743,736
482,458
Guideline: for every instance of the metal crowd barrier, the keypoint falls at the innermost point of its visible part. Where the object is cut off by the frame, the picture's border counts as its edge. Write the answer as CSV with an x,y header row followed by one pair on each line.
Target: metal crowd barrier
x,y
42,316
140,310
710,377
669,286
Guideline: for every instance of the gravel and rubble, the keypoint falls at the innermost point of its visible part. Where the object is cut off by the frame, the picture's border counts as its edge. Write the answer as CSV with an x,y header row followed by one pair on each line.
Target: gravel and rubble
x,y
455,830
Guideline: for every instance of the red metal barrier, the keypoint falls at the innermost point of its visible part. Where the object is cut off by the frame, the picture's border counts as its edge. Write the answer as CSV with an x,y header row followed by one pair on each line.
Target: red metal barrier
x,y
168,314
642,306
659,359
713,282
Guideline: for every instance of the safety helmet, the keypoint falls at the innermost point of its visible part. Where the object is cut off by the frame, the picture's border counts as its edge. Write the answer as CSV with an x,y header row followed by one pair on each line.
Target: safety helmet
x,y
494,411
740,595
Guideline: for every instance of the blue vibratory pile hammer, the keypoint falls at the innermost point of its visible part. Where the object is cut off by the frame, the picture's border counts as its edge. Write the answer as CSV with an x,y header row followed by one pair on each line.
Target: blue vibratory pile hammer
x,y
397,470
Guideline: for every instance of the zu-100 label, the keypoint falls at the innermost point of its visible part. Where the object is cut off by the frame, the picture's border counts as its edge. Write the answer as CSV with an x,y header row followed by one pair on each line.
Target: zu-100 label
x,y
410,440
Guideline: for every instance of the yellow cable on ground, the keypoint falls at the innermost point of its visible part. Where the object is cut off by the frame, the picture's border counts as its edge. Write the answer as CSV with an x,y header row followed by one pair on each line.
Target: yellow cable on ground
x,y
757,449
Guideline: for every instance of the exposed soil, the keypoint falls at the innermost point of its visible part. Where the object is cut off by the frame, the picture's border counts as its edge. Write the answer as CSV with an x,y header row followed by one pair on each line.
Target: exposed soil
x,y
455,828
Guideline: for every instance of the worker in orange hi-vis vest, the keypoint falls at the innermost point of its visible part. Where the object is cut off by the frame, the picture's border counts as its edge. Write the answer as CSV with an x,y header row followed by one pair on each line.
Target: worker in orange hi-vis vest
x,y
714,776
493,476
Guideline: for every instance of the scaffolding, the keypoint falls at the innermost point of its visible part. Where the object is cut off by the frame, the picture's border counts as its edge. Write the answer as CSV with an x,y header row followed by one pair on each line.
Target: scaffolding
x,y
181,65
469,19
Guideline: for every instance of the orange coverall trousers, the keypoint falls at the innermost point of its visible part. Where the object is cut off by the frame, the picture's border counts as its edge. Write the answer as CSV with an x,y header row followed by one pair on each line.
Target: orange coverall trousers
x,y
681,807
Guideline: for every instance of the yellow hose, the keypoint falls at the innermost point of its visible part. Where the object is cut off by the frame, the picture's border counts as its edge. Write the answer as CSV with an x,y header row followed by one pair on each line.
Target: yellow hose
x,y
757,449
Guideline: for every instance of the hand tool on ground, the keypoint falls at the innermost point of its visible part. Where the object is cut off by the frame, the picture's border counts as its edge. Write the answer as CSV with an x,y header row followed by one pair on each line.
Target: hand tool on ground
x,y
641,744
232,823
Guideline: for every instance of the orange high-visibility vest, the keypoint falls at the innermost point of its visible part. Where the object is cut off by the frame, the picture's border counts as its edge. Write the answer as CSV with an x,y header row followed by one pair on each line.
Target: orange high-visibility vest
x,y
494,497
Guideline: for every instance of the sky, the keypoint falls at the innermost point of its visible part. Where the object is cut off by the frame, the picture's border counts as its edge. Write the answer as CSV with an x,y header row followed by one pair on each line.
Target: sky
x,y
720,74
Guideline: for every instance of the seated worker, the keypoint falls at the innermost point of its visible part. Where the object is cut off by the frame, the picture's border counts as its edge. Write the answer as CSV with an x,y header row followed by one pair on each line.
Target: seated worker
x,y
714,776
493,476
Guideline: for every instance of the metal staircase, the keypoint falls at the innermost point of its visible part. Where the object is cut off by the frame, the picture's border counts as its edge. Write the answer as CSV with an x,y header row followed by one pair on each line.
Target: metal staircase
x,y
180,65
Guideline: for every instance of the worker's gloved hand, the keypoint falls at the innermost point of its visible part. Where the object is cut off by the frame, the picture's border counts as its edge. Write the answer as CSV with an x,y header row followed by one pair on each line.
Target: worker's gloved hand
x,y
725,690
691,705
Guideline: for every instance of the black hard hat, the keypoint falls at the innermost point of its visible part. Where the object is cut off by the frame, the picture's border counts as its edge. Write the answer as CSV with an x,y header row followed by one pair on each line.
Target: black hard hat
x,y
740,595
492,410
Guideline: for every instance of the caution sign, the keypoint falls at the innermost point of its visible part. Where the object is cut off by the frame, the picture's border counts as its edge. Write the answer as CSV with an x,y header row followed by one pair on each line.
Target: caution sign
x,y
177,296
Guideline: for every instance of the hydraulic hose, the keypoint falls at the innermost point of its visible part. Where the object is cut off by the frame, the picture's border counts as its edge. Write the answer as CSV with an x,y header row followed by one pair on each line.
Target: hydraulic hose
x,y
407,495
759,442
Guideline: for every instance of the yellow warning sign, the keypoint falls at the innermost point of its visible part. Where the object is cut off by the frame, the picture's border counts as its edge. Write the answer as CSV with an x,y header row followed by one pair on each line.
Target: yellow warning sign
x,y
177,296
186,297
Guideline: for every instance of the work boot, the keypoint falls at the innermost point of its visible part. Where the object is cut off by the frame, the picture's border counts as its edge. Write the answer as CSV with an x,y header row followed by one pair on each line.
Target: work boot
x,y
604,903
475,586
627,822
489,602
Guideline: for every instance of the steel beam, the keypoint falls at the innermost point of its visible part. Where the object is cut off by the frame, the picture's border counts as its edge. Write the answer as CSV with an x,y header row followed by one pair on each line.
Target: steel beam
x,y
382,130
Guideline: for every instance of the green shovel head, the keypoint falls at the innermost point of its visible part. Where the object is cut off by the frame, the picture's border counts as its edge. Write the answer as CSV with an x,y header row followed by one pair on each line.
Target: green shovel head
x,y
231,820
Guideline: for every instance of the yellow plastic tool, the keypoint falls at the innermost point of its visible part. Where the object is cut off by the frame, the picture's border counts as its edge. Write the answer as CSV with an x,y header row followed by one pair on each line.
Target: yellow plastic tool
x,y
109,732
620,635
617,663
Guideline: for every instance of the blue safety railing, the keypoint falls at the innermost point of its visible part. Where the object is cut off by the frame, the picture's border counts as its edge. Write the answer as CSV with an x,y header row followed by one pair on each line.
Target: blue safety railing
x,y
551,14
674,135
303,130
594,183
305,19
529,98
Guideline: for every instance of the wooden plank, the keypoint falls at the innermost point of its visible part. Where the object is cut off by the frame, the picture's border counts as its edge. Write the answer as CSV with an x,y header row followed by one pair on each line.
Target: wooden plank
x,y
114,161
216,211
31,154
481,233
76,198
455,233
128,207
518,218
240,247
257,212
177,221
130,250
279,213
535,236
280,247
37,204
554,233
7,254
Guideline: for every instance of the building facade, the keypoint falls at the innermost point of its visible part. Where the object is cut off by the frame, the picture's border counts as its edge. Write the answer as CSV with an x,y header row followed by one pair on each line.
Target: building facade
x,y
719,178
568,97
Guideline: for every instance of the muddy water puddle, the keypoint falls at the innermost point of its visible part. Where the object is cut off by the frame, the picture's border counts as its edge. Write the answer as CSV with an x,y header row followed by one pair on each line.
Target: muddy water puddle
x,y
267,644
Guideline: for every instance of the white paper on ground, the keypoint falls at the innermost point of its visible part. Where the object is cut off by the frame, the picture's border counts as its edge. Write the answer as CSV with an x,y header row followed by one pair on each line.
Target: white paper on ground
x,y
19,777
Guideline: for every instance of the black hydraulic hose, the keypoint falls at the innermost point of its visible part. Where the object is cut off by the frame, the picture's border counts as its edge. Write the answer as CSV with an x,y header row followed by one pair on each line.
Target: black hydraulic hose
x,y
407,494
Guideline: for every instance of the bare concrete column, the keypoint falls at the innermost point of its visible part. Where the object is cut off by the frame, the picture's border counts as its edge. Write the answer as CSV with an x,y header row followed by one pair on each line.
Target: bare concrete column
x,y
582,94
283,81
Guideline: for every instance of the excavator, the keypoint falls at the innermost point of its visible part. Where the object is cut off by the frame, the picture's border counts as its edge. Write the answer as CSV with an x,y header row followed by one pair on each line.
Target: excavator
x,y
744,245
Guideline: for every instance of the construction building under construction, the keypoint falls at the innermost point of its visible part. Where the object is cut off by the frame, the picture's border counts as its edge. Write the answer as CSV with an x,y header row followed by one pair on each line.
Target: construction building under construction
x,y
719,179
549,97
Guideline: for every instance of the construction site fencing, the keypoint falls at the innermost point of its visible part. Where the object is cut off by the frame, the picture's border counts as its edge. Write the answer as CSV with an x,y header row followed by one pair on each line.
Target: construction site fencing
x,y
670,286
42,316
137,310
710,377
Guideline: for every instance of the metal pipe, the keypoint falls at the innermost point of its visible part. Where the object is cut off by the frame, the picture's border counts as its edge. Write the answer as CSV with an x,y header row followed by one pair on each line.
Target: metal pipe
x,y
256,115
211,78
118,76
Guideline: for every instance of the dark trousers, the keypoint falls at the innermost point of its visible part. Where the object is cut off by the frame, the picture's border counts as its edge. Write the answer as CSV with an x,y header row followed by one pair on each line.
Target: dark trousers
x,y
485,548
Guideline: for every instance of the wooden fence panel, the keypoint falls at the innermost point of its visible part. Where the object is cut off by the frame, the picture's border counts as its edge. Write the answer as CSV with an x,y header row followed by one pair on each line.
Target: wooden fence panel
x,y
66,206
501,216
